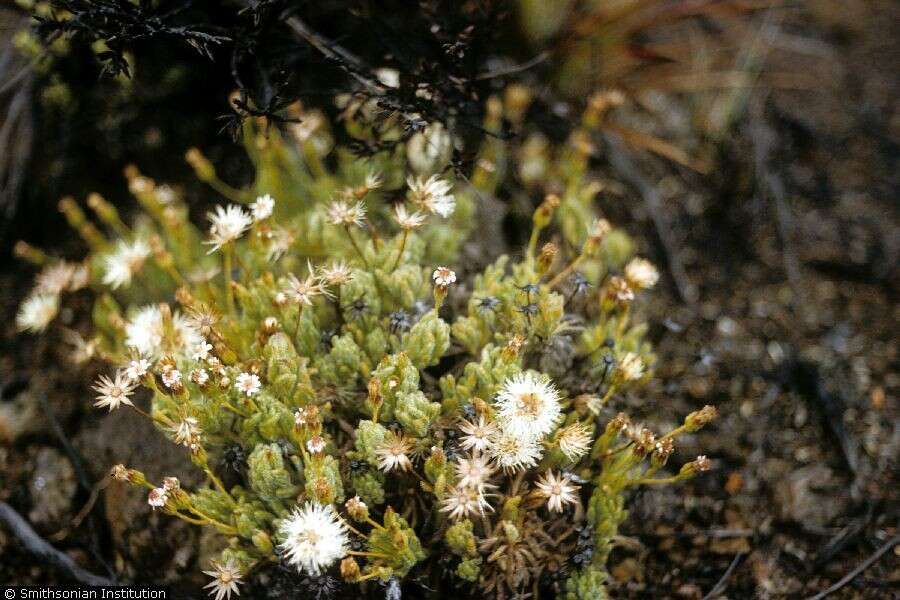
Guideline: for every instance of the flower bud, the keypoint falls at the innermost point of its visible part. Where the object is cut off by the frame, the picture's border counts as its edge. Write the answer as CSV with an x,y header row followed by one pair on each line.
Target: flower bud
x,y
357,509
201,165
349,569
700,418
546,257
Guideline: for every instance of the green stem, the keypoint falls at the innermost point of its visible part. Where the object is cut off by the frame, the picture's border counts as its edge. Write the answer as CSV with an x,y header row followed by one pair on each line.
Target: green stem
x,y
229,293
356,246
400,252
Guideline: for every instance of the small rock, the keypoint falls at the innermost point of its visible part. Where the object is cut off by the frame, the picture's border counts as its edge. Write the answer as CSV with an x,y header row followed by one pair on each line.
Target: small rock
x,y
52,486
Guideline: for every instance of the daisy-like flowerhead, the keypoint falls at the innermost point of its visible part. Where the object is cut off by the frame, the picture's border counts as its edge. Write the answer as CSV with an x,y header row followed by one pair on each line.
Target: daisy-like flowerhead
x,y
619,290
187,433
113,393
314,538
559,491
528,406
137,368
201,350
574,441
302,292
408,220
225,580
228,224
393,452
641,273
124,262
247,384
513,453
432,194
373,180
315,444
170,375
280,241
157,497
474,471
146,333
477,434
55,278
36,312
262,208
336,274
342,212
443,277
199,376
462,502
631,367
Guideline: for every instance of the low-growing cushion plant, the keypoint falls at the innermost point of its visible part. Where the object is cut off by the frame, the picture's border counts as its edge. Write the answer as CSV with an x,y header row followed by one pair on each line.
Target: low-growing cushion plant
x,y
368,412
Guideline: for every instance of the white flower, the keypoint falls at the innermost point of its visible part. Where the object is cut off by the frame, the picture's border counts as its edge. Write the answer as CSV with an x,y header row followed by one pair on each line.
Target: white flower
x,y
463,502
341,212
280,241
55,278
124,262
443,277
302,292
474,472
512,453
314,538
338,273
527,406
157,497
641,273
262,208
165,194
36,312
406,219
631,367
200,376
393,452
315,444
136,369
478,434
432,195
247,383
146,334
201,350
187,433
574,441
227,225
373,180
559,491
112,393
225,580
171,377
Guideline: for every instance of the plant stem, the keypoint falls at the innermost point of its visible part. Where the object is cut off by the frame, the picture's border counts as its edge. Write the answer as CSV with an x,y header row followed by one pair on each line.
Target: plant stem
x,y
356,246
400,252
229,293
565,272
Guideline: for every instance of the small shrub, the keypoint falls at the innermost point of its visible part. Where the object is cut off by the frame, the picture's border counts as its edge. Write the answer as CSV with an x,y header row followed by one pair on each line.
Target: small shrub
x,y
389,418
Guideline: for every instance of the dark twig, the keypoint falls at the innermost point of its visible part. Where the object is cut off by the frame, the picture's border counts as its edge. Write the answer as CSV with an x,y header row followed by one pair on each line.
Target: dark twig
x,y
512,70
855,572
622,161
37,546
722,584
